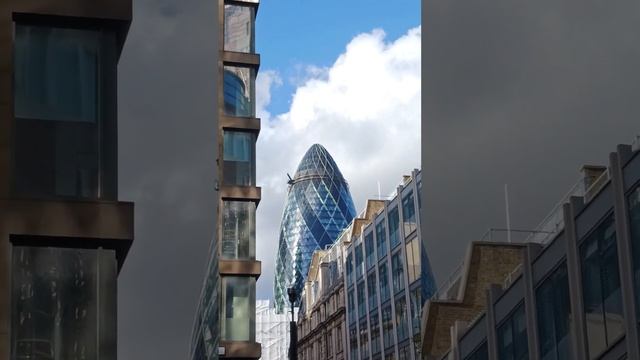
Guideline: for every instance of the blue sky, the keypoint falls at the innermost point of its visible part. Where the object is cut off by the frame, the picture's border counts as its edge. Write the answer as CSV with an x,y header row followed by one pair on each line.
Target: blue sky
x,y
293,34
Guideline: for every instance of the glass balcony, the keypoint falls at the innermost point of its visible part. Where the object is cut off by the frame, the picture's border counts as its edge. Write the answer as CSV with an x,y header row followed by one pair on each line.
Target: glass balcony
x,y
239,28
238,308
239,230
239,91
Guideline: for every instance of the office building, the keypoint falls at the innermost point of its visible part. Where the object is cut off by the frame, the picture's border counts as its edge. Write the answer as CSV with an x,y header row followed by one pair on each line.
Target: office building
x,y
225,320
319,206
570,290
272,330
64,235
363,296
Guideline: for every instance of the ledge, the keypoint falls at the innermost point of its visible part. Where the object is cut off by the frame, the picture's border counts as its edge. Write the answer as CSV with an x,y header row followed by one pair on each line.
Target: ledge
x,y
238,58
240,123
240,267
250,193
240,349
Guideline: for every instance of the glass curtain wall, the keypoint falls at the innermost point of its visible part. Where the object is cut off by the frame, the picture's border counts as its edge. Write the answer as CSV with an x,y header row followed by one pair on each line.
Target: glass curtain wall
x,y
512,337
601,288
238,230
239,158
381,240
394,227
554,316
409,214
64,103
238,304
239,91
239,28
634,220
63,303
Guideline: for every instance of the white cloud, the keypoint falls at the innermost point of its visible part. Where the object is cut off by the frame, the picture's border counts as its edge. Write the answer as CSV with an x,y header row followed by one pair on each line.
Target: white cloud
x,y
365,109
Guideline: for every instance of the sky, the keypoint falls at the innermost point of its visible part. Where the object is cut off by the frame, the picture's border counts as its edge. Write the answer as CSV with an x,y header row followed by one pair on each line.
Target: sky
x,y
343,74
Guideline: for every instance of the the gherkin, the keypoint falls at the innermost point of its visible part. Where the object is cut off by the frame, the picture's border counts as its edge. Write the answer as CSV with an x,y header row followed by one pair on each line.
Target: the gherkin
x,y
319,206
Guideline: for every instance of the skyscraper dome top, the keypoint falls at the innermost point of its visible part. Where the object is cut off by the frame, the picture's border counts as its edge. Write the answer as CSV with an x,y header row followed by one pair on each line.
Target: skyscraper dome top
x,y
317,162
319,206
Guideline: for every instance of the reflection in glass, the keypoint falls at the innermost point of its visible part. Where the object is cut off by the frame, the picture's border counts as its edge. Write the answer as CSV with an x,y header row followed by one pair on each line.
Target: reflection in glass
x,y
239,297
413,260
384,283
601,288
481,353
554,316
381,239
63,304
239,28
408,214
397,272
415,296
239,158
362,304
375,334
359,262
364,340
372,285
370,250
401,319
634,220
238,230
394,224
61,92
239,92
512,337
387,327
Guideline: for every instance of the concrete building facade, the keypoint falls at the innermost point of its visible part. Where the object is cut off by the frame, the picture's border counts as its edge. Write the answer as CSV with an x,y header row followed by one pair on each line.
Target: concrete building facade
x,y
573,291
64,235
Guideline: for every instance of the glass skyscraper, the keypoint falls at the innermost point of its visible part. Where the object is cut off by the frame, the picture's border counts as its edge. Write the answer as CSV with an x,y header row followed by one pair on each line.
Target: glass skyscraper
x,y
319,206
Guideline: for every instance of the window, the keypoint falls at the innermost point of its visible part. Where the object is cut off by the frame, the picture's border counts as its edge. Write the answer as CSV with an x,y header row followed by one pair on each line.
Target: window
x,y
364,340
239,91
238,297
64,104
634,220
381,239
372,284
352,307
362,303
394,225
480,353
401,319
349,269
512,337
413,260
384,283
339,338
404,353
63,302
239,28
408,214
416,309
387,328
554,316
329,344
601,288
397,271
370,250
238,230
359,262
239,158
353,343
375,334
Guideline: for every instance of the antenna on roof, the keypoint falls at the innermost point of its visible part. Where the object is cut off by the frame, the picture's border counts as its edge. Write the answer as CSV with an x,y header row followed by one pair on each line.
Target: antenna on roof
x,y
379,196
506,205
290,181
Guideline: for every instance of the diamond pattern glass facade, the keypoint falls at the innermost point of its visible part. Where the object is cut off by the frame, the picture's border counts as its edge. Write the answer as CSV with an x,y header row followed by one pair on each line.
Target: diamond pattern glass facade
x,y
319,206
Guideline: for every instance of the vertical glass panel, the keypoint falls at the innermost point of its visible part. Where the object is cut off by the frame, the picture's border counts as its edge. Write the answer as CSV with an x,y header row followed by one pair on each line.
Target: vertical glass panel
x,y
512,337
416,309
370,250
349,262
62,305
239,28
408,214
372,284
362,303
554,316
381,240
394,223
239,158
397,272
413,260
401,319
601,288
634,221
375,334
239,91
238,230
63,100
353,342
481,353
364,340
238,319
387,327
359,262
384,283
351,307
